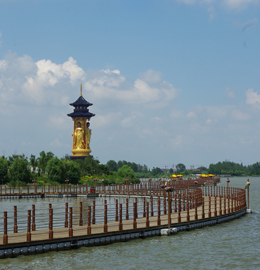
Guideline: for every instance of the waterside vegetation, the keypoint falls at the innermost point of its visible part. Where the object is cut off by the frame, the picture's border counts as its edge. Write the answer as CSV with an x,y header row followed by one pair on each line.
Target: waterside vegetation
x,y
48,169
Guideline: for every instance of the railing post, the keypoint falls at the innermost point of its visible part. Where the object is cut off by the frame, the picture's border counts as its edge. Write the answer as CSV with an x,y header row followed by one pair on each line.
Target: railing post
x,y
89,220
248,184
134,215
80,214
50,223
70,223
203,209
144,207
225,210
188,211
179,208
120,217
164,203
105,216
159,211
151,200
5,238
33,218
29,226
116,217
15,220
228,204
183,201
169,210
147,214
66,215
220,206
175,202
136,208
209,210
196,210
94,213
126,210
215,212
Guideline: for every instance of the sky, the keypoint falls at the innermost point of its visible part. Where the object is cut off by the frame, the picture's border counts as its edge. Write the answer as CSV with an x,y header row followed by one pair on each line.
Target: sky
x,y
171,81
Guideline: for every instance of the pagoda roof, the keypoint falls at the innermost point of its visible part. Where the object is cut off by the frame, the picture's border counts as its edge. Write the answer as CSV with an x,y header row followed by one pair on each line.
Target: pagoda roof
x,y
81,102
81,108
81,113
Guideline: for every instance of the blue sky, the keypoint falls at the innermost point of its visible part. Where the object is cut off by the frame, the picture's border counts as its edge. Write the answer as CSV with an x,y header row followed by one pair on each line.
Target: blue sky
x,y
171,80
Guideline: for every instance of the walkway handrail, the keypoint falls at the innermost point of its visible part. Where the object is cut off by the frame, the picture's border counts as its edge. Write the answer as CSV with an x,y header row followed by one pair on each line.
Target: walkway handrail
x,y
184,205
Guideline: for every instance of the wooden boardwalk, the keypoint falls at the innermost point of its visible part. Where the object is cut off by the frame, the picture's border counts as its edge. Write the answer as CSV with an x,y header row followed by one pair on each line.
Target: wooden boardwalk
x,y
113,228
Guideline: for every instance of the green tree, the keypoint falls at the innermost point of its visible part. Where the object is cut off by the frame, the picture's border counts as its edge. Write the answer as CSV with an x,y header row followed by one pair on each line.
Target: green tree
x,y
3,170
43,160
33,162
112,165
254,169
180,167
121,163
126,172
156,171
20,171
72,171
103,169
56,170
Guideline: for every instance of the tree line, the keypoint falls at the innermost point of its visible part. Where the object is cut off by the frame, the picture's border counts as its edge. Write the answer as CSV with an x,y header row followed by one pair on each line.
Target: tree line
x,y
49,169
234,169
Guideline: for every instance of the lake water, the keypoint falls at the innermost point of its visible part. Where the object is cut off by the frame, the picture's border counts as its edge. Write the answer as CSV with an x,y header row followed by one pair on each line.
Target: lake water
x,y
231,245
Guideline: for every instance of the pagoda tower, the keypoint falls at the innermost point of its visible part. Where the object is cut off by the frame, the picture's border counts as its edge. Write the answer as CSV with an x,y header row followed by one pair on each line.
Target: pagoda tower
x,y
81,132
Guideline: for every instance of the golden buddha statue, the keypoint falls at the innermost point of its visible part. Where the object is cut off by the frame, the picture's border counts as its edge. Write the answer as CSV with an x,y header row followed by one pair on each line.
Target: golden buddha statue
x,y
79,137
88,131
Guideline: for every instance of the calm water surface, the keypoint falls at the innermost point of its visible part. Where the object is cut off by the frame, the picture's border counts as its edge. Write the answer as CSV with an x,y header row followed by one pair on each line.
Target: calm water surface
x,y
232,245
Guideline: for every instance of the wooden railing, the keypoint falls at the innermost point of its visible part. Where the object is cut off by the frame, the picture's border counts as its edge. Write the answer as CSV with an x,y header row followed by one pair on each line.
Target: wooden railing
x,y
127,213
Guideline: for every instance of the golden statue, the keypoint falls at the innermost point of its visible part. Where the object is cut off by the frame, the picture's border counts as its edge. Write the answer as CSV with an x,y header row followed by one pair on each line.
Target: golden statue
x,y
79,137
81,131
88,131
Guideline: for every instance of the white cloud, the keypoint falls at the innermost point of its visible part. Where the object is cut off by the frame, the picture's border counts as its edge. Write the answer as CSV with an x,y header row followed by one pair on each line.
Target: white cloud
x,y
238,4
108,119
35,97
252,97
111,85
188,1
230,93
59,121
231,4
39,87
191,115
130,120
248,24
240,116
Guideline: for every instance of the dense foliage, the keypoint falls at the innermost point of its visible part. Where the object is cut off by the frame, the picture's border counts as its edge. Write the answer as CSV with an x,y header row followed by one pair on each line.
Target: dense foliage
x,y
49,169
115,166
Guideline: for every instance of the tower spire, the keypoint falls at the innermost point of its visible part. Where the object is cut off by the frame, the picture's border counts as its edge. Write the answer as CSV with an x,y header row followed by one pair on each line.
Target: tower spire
x,y
81,89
